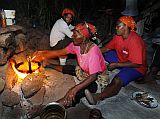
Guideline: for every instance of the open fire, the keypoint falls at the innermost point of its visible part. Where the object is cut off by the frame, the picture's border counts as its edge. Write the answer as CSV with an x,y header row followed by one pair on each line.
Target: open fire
x,y
28,84
24,68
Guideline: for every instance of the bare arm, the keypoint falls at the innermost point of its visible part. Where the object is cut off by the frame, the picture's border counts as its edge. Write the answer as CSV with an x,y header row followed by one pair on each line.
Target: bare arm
x,y
70,96
86,82
104,49
128,64
112,66
47,54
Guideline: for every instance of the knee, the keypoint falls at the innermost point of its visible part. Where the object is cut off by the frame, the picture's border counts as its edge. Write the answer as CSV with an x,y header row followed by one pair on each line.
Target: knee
x,y
117,82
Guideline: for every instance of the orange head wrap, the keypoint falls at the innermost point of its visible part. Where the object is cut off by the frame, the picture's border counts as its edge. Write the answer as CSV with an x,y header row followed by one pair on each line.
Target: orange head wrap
x,y
86,29
68,11
129,21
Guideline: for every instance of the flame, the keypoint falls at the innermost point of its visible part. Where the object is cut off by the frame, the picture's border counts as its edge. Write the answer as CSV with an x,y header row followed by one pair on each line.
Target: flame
x,y
20,75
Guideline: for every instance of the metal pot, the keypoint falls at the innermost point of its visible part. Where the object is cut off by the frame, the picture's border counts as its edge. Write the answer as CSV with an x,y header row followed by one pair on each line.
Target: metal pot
x,y
53,111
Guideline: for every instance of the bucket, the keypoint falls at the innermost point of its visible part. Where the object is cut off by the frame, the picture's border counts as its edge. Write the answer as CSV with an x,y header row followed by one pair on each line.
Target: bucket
x,y
10,17
53,111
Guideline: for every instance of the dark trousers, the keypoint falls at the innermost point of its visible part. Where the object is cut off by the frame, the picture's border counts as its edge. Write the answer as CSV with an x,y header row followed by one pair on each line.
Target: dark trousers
x,y
156,57
62,44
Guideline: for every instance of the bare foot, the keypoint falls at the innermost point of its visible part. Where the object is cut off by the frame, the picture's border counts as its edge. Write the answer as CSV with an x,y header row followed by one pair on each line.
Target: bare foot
x,y
34,111
91,97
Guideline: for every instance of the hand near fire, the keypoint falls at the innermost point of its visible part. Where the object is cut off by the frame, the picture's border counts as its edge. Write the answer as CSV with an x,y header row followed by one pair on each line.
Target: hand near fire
x,y
38,56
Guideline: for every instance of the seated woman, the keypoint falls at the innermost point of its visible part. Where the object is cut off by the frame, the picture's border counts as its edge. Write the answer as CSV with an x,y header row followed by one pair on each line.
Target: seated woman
x,y
126,52
90,61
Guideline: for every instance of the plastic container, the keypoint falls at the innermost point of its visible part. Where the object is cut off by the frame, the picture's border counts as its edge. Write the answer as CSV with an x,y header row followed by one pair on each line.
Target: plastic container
x,y
63,60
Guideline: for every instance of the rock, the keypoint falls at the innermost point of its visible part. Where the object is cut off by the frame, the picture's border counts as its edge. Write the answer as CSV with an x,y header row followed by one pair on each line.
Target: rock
x,y
6,40
3,59
11,77
32,84
2,84
11,28
37,40
44,43
38,98
10,98
57,85
20,43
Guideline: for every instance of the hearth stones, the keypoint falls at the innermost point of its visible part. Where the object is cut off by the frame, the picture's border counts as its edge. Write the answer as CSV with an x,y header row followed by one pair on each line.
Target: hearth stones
x,y
10,98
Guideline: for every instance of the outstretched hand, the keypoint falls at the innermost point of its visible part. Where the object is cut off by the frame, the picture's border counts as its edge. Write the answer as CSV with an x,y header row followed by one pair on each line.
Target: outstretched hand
x,y
38,56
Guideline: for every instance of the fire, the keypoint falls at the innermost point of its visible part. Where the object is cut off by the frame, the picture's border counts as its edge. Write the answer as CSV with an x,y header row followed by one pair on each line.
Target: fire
x,y
22,74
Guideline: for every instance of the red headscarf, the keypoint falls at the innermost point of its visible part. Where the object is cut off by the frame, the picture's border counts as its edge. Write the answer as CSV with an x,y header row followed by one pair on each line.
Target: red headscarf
x,y
83,29
68,11
129,21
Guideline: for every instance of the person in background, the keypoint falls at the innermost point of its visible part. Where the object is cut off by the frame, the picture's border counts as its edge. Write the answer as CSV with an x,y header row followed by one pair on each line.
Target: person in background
x,y
61,33
126,52
90,60
154,68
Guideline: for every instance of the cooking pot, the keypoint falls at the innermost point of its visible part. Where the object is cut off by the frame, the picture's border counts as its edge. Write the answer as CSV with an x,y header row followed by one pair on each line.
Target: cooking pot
x,y
53,110
29,70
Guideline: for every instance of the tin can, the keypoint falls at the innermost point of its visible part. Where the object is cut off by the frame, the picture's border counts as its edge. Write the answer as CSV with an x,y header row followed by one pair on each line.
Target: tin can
x,y
3,19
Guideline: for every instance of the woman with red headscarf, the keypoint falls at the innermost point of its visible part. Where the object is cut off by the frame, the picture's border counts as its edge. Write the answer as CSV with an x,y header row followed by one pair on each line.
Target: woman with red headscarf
x,y
90,61
126,52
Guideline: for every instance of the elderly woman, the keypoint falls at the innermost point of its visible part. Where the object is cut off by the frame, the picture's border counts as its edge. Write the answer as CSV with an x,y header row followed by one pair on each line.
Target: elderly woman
x,y
90,60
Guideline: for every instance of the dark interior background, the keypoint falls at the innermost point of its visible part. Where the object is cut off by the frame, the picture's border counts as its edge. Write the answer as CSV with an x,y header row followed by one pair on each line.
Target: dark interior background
x,y
46,12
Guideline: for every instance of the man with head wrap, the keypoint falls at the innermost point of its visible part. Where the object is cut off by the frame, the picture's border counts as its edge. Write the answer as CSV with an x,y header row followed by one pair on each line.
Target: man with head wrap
x,y
126,52
89,58
61,33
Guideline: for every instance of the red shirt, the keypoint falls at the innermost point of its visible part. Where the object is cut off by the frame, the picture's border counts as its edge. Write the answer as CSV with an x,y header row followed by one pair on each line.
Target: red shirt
x,y
131,49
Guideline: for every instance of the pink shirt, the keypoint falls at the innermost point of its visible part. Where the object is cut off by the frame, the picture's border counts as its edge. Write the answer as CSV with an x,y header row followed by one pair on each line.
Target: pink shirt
x,y
92,62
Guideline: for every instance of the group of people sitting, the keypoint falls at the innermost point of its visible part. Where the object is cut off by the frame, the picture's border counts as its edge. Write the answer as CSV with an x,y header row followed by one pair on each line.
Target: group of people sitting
x,y
126,52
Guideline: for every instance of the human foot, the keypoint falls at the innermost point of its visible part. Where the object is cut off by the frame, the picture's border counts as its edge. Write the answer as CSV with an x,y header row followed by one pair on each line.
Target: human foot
x,y
92,98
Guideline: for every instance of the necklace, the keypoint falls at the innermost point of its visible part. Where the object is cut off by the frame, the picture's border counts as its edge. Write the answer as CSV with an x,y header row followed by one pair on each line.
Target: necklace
x,y
86,48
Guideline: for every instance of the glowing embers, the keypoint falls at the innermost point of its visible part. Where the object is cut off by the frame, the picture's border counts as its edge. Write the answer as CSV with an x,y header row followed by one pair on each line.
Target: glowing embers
x,y
24,68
